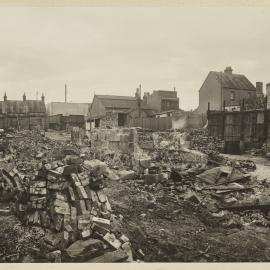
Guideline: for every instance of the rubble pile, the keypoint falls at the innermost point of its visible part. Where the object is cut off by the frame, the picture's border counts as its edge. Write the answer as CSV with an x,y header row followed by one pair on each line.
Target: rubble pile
x,y
201,141
169,149
114,159
16,240
172,171
243,165
65,197
71,201
62,189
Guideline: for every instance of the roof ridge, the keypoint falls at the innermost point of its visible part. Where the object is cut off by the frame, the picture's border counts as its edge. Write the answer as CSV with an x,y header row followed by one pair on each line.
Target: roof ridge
x,y
234,81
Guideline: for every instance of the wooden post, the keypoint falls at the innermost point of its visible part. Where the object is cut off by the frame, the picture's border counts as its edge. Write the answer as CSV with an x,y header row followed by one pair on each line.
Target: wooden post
x,y
265,119
5,121
242,126
223,121
208,112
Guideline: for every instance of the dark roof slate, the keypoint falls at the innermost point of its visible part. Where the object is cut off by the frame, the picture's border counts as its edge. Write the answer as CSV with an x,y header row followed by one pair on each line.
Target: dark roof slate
x,y
234,81
19,106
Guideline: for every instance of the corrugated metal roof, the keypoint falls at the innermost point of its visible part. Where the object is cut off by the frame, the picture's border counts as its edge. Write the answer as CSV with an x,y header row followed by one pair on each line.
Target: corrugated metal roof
x,y
234,81
68,108
119,102
115,97
145,108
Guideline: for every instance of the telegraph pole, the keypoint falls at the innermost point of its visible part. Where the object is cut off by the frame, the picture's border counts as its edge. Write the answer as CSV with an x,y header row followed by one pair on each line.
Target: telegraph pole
x,y
65,93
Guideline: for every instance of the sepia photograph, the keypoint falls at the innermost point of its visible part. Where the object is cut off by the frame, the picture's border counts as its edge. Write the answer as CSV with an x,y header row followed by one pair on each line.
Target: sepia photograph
x,y
134,132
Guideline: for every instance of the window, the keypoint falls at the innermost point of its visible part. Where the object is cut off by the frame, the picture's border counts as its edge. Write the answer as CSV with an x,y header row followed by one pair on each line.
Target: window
x,y
232,95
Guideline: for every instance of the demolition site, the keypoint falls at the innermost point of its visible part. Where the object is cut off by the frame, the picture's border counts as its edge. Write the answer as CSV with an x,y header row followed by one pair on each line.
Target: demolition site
x,y
131,195
131,179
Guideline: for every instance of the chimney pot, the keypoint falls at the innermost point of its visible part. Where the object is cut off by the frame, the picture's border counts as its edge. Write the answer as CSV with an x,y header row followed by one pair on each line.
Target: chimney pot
x,y
268,89
228,70
259,88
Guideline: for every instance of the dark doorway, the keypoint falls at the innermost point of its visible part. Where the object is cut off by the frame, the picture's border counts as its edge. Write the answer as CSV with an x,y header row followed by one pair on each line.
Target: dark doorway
x,y
122,119
97,123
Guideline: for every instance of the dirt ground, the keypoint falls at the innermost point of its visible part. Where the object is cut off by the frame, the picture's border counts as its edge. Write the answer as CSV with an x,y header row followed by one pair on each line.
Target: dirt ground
x,y
18,243
176,232
262,164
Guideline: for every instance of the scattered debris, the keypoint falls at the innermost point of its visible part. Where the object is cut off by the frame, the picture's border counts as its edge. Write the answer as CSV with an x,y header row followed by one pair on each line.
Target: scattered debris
x,y
62,190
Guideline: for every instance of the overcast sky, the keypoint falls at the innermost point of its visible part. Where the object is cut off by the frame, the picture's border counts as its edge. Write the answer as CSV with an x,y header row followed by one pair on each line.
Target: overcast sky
x,y
113,50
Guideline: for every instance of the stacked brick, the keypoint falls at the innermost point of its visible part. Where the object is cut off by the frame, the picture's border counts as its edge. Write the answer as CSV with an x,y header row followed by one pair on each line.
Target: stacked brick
x,y
68,201
11,181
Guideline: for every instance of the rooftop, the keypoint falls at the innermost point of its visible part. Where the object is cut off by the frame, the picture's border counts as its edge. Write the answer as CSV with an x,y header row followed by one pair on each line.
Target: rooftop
x,y
234,81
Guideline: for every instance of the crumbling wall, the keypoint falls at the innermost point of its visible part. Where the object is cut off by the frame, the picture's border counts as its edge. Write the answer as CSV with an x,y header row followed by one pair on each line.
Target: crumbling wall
x,y
77,134
114,139
142,143
109,120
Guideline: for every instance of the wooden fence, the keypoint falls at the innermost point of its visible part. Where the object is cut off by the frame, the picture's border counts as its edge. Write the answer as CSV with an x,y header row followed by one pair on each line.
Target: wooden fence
x,y
189,120
162,123
23,122
240,129
247,126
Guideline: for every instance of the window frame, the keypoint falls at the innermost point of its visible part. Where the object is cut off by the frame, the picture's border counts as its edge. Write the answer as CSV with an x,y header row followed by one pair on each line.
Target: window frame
x,y
232,95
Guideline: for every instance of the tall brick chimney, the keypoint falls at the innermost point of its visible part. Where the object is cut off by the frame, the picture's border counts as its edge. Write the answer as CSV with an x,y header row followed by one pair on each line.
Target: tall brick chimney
x,y
259,88
145,98
228,70
268,89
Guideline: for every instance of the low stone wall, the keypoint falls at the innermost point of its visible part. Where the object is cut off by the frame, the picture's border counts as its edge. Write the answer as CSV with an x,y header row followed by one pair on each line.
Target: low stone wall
x,y
122,139
141,143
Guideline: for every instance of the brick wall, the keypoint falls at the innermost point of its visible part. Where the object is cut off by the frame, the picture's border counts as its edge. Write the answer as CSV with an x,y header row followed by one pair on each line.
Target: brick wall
x,y
141,143
110,119
115,139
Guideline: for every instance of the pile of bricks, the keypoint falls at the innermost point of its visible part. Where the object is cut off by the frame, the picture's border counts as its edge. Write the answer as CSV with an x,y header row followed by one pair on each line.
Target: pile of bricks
x,y
67,199
202,141
11,181
114,139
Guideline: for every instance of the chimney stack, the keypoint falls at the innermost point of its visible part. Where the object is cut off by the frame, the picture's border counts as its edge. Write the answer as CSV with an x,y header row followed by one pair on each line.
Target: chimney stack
x,y
268,89
259,88
24,97
43,97
228,70
268,95
137,93
145,98
5,97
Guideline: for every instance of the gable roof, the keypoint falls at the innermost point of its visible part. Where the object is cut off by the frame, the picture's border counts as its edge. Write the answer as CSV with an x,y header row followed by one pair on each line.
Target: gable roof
x,y
19,106
120,102
234,81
